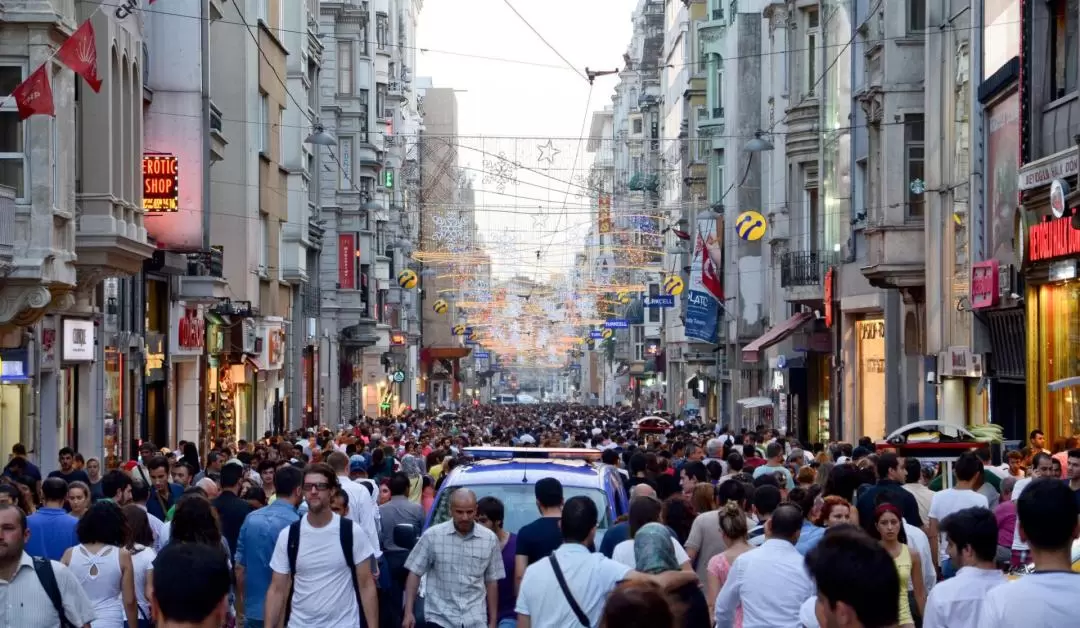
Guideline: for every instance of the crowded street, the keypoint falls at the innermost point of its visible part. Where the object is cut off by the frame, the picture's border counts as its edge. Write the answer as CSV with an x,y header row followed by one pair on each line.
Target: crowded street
x,y
547,515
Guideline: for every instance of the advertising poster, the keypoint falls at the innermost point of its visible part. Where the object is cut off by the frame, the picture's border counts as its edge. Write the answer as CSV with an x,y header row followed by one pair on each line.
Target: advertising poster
x,y
706,284
1002,157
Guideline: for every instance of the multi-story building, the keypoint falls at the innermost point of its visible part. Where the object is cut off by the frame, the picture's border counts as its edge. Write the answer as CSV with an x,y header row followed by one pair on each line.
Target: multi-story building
x,y
449,244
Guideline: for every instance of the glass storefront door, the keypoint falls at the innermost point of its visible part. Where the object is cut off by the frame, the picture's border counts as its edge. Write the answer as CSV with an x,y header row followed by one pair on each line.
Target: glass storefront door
x,y
1057,336
870,357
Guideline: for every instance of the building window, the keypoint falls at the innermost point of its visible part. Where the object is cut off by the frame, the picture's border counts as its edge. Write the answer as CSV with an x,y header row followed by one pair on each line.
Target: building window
x,y
281,135
913,164
718,181
813,36
654,312
345,67
281,251
264,124
1063,47
364,37
637,126
345,148
916,16
380,101
264,243
702,56
718,93
382,30
12,130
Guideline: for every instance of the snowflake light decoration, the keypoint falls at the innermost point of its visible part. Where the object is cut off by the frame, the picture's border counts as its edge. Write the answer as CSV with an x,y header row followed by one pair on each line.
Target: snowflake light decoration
x,y
539,221
500,172
504,243
450,230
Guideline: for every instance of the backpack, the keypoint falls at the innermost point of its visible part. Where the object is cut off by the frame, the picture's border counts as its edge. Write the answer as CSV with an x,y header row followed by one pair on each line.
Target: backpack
x,y
44,570
293,548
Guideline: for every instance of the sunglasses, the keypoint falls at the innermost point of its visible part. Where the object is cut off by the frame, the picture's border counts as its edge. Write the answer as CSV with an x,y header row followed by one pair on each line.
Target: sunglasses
x,y
320,486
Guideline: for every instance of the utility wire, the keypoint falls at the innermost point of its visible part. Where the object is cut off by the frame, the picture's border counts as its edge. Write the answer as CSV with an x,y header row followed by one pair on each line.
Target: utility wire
x,y
546,42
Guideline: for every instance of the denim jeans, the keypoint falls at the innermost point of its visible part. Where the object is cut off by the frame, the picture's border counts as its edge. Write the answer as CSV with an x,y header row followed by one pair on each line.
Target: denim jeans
x,y
253,623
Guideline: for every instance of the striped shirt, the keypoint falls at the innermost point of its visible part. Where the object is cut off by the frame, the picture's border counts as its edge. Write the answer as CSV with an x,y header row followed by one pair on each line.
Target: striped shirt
x,y
24,602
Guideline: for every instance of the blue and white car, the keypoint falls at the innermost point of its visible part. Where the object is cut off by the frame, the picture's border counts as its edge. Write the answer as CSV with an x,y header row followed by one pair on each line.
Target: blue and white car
x,y
510,474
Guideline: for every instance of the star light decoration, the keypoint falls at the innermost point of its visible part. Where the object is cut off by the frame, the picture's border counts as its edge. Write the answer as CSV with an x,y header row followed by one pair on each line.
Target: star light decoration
x,y
547,153
500,171
450,230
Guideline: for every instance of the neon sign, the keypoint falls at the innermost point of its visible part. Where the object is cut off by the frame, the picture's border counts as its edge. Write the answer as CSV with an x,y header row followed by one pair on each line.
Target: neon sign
x,y
161,183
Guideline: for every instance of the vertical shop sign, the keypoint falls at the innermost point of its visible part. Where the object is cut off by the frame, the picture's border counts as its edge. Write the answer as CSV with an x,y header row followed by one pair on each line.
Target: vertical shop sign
x,y
347,261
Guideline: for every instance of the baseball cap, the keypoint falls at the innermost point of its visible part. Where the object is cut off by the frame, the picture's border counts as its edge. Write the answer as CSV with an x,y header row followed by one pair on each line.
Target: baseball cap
x,y
358,463
129,465
843,460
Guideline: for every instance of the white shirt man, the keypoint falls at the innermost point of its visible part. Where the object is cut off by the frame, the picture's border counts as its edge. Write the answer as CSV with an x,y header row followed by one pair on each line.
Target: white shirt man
x,y
771,583
322,583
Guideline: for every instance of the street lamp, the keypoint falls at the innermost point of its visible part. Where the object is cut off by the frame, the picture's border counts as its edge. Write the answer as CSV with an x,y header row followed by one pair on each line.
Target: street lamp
x,y
319,137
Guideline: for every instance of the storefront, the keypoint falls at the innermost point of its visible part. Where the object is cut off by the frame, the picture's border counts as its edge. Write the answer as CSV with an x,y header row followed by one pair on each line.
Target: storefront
x,y
1051,256
271,392
231,373
870,376
16,399
76,412
187,340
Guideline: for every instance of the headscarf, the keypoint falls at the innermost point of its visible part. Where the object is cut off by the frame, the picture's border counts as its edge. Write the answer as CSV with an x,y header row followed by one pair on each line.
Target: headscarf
x,y
410,466
654,551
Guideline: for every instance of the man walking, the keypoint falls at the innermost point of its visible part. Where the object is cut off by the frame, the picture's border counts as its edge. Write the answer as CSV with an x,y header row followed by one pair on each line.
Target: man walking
x,y
255,544
67,471
972,548
463,564
52,529
329,588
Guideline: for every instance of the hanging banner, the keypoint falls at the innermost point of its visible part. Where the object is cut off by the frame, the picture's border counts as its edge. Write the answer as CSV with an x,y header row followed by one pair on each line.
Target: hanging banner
x,y
706,281
603,214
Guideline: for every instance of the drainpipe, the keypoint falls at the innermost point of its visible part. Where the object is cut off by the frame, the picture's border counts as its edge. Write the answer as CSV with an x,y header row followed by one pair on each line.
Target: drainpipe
x,y
204,59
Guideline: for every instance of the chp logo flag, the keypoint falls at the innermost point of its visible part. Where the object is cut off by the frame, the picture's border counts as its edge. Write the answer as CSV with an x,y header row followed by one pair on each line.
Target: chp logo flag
x,y
34,95
79,53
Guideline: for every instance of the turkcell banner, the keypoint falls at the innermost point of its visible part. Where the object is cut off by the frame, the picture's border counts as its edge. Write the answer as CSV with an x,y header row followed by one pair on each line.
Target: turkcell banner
x,y
706,280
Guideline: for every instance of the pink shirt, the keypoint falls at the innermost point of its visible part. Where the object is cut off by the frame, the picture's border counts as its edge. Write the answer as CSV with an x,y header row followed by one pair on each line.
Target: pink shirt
x,y
1005,513
720,567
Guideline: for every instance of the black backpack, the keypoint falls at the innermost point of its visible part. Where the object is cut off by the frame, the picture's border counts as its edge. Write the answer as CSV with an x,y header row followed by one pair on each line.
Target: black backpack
x,y
293,548
44,570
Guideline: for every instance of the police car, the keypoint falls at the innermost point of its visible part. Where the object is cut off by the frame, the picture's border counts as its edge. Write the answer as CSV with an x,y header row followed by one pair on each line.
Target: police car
x,y
510,474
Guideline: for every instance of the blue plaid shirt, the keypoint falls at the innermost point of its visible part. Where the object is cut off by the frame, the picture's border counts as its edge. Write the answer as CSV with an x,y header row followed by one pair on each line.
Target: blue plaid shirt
x,y
255,546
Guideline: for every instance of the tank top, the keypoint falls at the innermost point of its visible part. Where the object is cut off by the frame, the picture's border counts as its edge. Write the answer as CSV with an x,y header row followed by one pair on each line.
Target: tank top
x,y
100,577
903,569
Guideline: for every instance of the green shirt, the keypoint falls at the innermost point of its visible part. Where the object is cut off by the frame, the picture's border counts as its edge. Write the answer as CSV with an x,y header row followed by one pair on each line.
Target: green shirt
x,y
172,511
988,477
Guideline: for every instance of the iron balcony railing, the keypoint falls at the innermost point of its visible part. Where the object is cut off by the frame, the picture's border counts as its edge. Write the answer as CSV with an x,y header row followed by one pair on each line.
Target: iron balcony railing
x,y
804,268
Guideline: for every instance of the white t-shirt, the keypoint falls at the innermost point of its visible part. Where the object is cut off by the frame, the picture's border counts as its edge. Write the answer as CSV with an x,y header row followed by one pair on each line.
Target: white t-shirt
x,y
947,501
624,553
1018,488
1036,599
143,564
322,586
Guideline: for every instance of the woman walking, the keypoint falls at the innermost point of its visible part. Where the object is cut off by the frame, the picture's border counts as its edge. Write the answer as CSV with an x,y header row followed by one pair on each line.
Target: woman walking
x,y
103,567
889,530
734,529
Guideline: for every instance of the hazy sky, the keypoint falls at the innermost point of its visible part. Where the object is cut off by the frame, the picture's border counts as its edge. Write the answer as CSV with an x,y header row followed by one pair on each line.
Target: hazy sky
x,y
511,108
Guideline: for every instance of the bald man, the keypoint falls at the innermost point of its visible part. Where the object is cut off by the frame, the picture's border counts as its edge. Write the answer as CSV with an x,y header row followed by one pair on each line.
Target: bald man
x,y
210,487
621,531
463,564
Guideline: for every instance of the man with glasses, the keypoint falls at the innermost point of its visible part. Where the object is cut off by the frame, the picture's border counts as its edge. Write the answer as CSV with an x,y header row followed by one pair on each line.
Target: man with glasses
x,y
307,557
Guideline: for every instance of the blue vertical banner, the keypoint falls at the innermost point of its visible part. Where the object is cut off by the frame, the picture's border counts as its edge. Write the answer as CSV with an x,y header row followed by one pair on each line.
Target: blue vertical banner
x,y
706,280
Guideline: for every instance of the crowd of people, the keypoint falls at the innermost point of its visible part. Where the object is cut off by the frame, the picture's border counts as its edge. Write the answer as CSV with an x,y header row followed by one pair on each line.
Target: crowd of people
x,y
745,529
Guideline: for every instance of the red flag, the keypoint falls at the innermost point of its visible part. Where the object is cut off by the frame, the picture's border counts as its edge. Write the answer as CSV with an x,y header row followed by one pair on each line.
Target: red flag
x,y
79,53
34,95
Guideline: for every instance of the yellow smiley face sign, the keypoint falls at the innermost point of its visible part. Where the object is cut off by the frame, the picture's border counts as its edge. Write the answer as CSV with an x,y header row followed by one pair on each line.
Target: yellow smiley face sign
x,y
750,225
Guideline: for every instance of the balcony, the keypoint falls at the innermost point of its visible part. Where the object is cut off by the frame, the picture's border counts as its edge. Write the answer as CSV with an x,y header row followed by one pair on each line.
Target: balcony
x,y
801,275
895,255
203,282
217,138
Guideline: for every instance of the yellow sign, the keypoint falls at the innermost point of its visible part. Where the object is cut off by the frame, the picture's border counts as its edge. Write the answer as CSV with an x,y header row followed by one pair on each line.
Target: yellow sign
x,y
750,225
440,306
674,285
407,279
624,297
608,333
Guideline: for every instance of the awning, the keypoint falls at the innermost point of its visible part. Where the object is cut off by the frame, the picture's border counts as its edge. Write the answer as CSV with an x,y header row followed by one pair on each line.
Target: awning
x,y
752,352
443,353
254,363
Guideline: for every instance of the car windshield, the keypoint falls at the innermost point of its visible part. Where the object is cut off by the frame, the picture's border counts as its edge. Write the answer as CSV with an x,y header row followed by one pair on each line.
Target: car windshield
x,y
519,503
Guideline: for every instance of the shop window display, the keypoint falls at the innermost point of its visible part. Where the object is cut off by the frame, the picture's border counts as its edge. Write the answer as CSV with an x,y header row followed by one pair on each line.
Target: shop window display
x,y
1059,356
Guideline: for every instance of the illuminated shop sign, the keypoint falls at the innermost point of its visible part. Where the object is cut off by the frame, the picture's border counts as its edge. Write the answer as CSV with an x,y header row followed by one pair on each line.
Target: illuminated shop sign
x,y
161,183
984,284
1052,240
